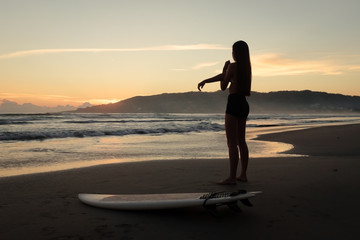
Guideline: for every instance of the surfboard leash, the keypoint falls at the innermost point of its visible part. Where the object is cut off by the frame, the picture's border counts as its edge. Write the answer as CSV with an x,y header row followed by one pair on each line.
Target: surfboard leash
x,y
221,194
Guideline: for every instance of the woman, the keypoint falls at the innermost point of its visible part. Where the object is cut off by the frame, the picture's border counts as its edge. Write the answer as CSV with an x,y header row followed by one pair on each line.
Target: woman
x,y
238,74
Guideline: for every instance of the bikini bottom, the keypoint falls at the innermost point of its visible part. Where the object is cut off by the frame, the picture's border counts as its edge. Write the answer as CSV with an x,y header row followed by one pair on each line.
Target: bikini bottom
x,y
237,106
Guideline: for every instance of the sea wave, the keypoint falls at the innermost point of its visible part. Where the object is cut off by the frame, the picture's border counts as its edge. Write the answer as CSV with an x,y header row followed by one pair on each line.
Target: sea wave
x,y
50,134
131,121
25,127
13,122
16,119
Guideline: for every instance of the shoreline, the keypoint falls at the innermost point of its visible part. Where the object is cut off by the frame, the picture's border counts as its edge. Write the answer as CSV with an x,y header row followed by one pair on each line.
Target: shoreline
x,y
253,136
337,141
281,135
312,197
219,136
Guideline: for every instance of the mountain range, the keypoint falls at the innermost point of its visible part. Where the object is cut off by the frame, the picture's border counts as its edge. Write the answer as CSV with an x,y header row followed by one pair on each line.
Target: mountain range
x,y
11,107
214,102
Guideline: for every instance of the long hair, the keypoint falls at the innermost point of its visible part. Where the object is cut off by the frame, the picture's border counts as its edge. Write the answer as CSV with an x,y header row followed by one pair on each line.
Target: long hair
x,y
241,55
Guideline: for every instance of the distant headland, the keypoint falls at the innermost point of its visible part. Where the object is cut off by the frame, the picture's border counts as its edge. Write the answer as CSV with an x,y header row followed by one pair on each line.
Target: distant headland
x,y
214,102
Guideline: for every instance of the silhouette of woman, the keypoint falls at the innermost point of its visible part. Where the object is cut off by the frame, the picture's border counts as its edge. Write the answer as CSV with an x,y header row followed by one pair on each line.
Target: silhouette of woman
x,y
238,74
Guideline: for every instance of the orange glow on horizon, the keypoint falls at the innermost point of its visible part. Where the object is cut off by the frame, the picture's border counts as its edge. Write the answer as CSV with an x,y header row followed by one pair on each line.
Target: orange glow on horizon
x,y
276,64
52,100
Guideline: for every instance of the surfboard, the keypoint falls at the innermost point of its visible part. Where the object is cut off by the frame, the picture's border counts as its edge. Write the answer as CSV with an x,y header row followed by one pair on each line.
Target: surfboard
x,y
166,201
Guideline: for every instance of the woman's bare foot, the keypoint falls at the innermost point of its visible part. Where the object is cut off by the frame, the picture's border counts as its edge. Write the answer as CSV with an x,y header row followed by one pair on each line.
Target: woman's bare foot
x,y
227,182
242,179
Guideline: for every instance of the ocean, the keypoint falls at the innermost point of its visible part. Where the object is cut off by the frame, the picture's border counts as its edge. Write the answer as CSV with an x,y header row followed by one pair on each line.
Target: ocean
x,y
33,143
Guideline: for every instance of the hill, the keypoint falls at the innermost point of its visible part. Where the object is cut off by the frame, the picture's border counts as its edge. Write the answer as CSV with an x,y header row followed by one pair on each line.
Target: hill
x,y
10,107
214,102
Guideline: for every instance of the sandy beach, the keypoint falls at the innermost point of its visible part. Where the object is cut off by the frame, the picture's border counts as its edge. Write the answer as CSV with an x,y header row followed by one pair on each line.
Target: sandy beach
x,y
311,197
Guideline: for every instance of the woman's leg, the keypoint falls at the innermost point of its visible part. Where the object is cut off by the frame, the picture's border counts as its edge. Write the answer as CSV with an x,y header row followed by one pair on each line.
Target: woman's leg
x,y
231,128
244,151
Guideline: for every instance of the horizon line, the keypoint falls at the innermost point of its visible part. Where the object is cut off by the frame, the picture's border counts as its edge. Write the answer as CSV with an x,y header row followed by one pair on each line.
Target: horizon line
x,y
119,100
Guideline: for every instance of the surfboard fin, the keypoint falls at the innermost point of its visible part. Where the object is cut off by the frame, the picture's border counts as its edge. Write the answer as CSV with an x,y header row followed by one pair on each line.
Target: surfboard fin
x,y
212,210
234,206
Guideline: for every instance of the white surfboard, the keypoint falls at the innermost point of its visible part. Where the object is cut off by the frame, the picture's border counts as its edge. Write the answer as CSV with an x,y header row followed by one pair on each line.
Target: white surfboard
x,y
165,201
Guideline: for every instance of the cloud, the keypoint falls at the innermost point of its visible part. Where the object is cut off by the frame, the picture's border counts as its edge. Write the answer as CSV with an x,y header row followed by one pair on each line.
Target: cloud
x,y
276,64
97,101
43,97
204,65
279,64
354,68
197,66
179,69
201,46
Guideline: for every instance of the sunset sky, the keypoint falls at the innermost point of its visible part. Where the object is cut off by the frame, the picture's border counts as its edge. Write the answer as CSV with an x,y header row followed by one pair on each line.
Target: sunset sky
x,y
57,52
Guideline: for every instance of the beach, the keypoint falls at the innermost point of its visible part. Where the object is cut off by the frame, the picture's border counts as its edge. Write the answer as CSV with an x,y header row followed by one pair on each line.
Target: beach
x,y
313,196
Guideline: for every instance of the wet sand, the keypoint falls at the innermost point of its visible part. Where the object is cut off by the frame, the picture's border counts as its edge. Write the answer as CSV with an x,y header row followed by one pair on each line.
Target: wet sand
x,y
314,197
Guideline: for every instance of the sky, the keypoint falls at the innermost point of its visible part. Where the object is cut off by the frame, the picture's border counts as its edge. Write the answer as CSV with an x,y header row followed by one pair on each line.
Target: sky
x,y
58,52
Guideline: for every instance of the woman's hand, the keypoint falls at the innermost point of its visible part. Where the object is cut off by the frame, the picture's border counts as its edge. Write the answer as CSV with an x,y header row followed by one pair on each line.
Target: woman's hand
x,y
226,65
216,78
201,85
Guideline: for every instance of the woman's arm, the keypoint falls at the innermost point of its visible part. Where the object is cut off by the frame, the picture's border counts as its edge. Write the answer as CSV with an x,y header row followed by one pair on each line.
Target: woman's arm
x,y
217,78
227,77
